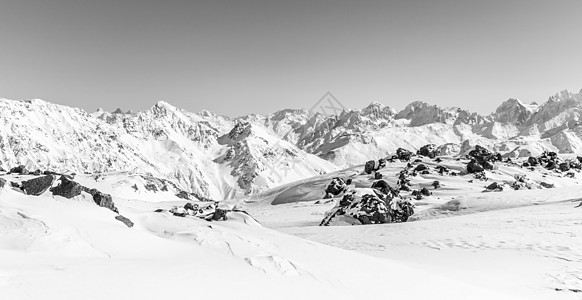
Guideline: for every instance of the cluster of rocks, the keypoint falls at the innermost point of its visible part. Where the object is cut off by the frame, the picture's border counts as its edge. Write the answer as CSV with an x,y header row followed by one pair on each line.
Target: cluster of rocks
x,y
209,212
65,187
376,208
374,166
482,159
551,161
522,183
429,151
337,187
418,194
403,154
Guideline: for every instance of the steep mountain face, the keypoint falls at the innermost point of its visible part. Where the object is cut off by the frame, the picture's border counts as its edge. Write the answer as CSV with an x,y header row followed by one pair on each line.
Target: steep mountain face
x,y
220,157
164,141
514,111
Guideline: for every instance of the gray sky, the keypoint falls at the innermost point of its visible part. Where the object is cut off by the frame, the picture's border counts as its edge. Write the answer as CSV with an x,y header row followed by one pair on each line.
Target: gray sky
x,y
239,57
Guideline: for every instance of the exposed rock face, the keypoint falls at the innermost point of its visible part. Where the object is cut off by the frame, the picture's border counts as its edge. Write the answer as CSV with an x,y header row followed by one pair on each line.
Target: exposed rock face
x,y
37,186
514,111
20,170
429,150
104,200
67,188
124,220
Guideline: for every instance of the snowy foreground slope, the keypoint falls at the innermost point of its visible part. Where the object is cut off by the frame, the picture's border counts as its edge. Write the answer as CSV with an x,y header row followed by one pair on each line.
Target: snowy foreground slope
x,y
522,243
463,244
57,248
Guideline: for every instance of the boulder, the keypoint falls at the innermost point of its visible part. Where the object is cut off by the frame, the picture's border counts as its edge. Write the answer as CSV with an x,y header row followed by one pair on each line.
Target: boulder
x,y
429,150
369,167
495,186
564,167
37,186
420,168
474,167
124,220
2,182
67,188
403,154
547,185
532,161
37,172
104,200
20,170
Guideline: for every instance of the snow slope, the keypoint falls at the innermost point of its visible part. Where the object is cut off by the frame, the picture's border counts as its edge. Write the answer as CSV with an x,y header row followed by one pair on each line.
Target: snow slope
x,y
522,243
55,248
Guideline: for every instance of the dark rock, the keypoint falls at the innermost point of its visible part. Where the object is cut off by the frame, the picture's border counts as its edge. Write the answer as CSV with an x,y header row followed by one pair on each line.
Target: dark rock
x,y
104,200
436,184
190,206
428,150
425,192
89,191
487,165
159,210
124,220
20,170
565,166
151,187
2,182
495,187
37,172
14,184
377,175
474,167
421,168
532,161
37,186
442,169
403,154
183,195
67,188
547,185
219,214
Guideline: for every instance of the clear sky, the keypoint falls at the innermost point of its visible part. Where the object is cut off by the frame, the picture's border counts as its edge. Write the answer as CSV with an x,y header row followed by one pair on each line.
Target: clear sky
x,y
238,57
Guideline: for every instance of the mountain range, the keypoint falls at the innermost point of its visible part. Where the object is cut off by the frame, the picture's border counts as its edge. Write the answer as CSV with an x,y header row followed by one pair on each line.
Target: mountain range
x,y
220,157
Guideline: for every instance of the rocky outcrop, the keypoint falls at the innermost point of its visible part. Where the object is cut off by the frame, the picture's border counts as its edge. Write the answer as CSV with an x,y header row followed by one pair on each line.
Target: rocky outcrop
x,y
429,151
20,170
67,188
37,186
104,200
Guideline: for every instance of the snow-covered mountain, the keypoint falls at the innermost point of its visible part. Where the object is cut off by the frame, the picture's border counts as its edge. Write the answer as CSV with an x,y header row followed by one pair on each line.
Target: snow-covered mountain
x,y
221,157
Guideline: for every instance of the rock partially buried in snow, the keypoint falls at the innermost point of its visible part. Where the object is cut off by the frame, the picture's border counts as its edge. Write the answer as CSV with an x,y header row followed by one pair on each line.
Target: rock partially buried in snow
x,y
124,220
2,182
67,188
104,200
20,170
37,186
